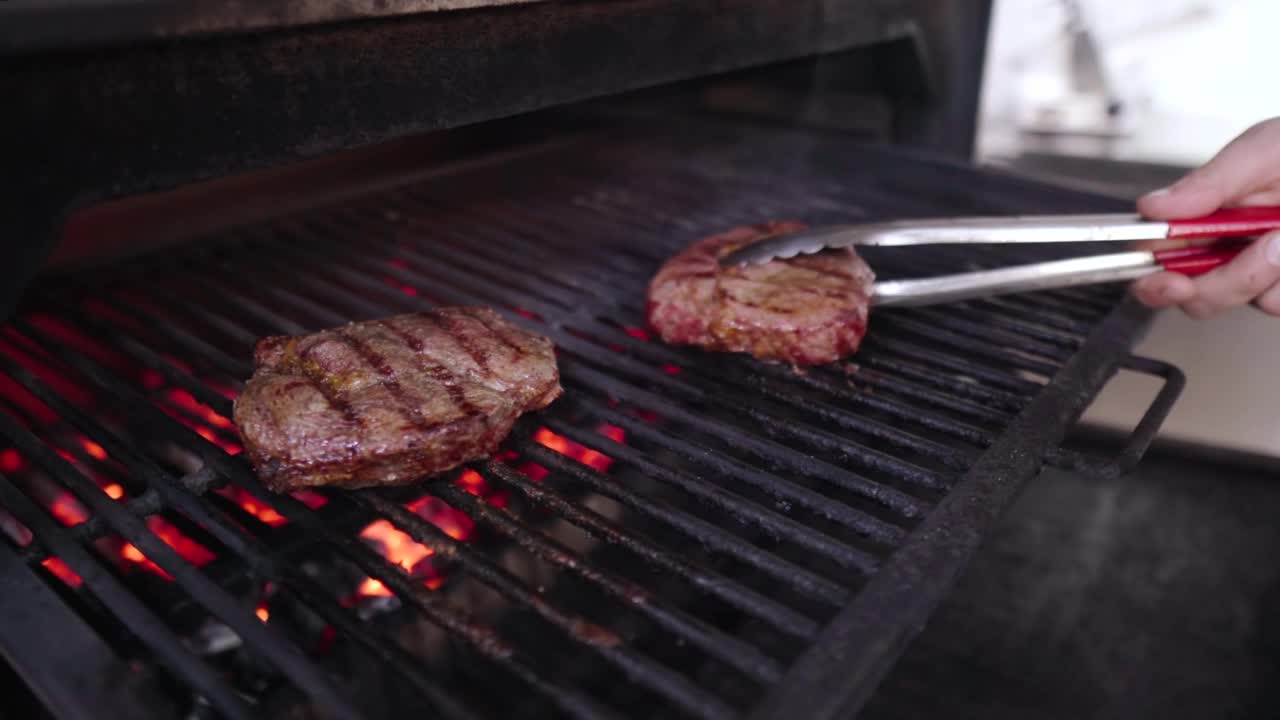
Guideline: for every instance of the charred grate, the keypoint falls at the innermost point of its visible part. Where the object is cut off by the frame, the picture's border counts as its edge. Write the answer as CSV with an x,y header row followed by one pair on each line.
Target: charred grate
x,y
682,535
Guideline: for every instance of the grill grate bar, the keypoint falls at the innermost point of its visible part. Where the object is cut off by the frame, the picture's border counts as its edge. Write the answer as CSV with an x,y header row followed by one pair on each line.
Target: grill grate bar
x,y
731,593
711,536
182,495
638,667
764,502
769,453
284,655
140,621
147,503
725,648
364,557
773,523
788,493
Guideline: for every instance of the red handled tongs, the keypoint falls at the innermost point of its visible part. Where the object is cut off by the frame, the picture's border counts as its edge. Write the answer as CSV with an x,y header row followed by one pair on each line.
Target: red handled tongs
x,y
1113,267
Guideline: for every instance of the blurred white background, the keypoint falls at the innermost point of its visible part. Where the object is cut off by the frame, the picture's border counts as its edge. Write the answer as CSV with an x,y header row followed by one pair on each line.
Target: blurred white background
x,y
1180,78
1184,75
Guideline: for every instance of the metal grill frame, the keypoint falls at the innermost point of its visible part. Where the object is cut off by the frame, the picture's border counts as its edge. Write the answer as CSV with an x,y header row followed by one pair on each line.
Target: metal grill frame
x,y
829,680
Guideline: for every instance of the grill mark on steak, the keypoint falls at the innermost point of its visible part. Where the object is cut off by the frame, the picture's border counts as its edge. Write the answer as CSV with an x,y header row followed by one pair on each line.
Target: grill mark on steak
x,y
806,310
438,373
451,328
315,411
501,337
310,371
409,407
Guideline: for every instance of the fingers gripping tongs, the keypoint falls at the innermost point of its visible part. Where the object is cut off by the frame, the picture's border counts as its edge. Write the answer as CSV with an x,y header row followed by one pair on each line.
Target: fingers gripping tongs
x,y
1113,267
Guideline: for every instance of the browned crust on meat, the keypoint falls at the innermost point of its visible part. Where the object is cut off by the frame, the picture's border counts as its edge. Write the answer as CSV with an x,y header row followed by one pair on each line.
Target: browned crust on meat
x,y
390,401
806,310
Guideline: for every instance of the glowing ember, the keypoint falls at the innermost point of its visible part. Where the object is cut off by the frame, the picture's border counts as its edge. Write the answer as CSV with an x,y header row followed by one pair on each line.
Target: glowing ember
x,y
310,498
253,505
114,491
262,612
637,333
472,482
94,449
406,289
534,471
68,510
671,369
192,551
414,557
565,446
372,588
189,549
62,572
613,432
395,545
193,408
455,523
187,401
229,448
10,460
135,556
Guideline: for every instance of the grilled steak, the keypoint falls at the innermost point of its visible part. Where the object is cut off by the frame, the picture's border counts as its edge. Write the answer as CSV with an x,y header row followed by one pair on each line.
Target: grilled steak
x,y
387,402
806,310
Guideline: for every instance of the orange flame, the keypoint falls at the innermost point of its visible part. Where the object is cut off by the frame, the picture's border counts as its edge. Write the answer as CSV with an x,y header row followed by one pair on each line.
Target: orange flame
x,y
372,588
565,446
197,409
455,523
262,612
253,505
114,491
397,545
400,548
192,551
187,401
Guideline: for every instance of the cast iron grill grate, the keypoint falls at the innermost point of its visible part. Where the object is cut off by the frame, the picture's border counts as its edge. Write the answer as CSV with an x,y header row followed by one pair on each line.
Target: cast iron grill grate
x,y
682,535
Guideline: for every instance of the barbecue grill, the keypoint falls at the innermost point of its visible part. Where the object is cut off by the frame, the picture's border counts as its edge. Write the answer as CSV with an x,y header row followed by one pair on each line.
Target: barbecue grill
x,y
683,534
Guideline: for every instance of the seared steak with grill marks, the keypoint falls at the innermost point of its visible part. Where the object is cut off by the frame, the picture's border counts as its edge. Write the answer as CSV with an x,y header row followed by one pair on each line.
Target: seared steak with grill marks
x,y
386,402
807,310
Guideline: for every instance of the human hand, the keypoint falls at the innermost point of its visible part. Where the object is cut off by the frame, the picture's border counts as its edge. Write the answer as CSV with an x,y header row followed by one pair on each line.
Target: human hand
x,y
1245,172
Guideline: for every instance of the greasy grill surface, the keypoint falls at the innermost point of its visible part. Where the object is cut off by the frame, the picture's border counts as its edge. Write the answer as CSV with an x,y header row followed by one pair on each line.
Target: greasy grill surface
x,y
670,539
